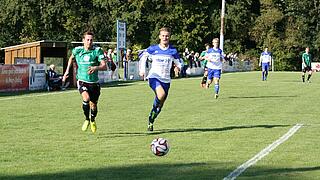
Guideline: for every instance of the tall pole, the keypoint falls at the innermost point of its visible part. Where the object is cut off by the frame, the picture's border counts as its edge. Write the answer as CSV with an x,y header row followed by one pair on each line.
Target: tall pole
x,y
222,24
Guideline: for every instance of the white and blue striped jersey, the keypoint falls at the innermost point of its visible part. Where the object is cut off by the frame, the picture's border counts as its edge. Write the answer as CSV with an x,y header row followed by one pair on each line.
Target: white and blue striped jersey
x,y
162,59
215,56
265,57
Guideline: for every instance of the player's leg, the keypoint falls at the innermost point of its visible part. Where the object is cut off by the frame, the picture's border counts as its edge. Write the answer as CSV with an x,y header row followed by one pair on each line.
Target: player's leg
x,y
85,104
161,92
309,74
216,79
263,71
94,97
266,70
209,77
303,74
204,78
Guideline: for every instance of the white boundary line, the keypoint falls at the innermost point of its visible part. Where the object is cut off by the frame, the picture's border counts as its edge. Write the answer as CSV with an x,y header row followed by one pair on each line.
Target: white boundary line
x,y
59,92
234,174
35,95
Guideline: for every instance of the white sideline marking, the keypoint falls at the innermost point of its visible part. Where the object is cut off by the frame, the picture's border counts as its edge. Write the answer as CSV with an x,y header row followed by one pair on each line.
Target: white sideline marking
x,y
35,95
234,174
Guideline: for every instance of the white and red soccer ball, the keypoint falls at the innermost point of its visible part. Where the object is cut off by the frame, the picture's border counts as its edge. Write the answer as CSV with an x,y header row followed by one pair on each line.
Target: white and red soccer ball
x,y
159,146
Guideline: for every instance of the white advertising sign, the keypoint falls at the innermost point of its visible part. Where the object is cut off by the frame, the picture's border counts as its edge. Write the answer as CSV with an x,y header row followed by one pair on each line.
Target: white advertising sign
x,y
37,76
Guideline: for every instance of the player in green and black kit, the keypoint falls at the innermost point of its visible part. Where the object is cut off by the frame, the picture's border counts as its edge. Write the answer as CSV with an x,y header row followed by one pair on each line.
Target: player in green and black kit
x,y
89,60
306,65
204,65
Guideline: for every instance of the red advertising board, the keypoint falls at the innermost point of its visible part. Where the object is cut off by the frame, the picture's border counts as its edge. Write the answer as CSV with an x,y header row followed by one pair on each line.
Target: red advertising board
x,y
14,77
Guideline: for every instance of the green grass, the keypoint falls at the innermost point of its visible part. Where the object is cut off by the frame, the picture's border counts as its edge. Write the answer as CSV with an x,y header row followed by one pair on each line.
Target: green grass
x,y
41,135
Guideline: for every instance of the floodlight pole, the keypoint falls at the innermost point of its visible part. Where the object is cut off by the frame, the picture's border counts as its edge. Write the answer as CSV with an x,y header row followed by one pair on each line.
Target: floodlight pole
x,y
222,24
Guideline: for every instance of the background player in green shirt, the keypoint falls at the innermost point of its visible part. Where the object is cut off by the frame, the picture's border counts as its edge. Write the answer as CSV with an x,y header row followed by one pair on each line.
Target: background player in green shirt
x,y
306,65
89,60
204,65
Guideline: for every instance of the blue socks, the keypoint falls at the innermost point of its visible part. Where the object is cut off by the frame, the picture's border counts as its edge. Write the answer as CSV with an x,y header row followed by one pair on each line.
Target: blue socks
x,y
216,88
156,109
264,75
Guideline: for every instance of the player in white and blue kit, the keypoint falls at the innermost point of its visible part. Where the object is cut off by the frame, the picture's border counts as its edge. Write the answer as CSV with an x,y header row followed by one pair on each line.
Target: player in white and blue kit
x,y
162,56
265,63
214,57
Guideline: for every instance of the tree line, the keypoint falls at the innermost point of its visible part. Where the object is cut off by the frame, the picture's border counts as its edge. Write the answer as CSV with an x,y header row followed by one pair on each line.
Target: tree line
x,y
285,26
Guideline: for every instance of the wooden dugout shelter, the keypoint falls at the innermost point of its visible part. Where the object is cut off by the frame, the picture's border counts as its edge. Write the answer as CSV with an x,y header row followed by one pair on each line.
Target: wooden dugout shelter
x,y
36,51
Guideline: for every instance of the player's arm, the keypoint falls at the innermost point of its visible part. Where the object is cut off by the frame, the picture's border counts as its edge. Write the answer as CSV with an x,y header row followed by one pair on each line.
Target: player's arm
x,y
142,65
102,60
260,60
303,61
66,73
222,57
101,67
206,57
178,64
201,58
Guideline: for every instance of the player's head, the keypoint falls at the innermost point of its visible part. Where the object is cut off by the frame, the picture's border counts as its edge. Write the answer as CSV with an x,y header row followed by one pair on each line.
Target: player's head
x,y
215,42
307,49
207,45
87,39
265,49
164,36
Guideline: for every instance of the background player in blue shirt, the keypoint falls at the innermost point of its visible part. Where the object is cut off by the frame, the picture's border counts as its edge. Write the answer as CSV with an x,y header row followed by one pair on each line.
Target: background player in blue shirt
x,y
214,57
265,63
162,56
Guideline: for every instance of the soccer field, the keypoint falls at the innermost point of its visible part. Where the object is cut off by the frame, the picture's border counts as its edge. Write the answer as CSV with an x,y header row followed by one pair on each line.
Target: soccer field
x,y
41,135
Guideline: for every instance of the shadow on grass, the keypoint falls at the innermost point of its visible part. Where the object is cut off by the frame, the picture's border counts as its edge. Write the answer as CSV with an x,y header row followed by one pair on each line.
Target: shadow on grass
x,y
19,93
106,85
181,171
259,97
178,171
269,172
163,131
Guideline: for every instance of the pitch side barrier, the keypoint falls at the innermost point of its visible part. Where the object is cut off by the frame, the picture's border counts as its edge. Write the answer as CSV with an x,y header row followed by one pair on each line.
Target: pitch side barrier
x,y
31,77
236,66
22,77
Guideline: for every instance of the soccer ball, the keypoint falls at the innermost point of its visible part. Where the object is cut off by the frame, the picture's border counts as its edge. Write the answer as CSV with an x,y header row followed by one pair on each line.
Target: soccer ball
x,y
159,146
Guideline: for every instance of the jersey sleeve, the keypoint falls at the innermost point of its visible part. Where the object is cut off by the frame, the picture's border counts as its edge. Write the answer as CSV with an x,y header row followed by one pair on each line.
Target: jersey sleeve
x,y
177,60
76,51
100,54
142,62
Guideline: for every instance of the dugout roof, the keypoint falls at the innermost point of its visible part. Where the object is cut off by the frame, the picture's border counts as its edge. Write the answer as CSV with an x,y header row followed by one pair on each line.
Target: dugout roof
x,y
35,52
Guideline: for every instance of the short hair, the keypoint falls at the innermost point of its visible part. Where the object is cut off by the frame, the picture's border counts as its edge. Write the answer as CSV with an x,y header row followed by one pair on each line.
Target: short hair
x,y
88,33
215,39
52,66
166,29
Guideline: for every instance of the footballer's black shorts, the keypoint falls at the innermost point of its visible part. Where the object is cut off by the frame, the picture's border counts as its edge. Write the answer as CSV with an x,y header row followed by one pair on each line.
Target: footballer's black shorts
x,y
93,90
306,69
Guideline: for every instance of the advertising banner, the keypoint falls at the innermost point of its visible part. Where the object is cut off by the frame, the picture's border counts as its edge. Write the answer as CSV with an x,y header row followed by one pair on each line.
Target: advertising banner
x,y
108,76
133,70
315,66
14,78
37,76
